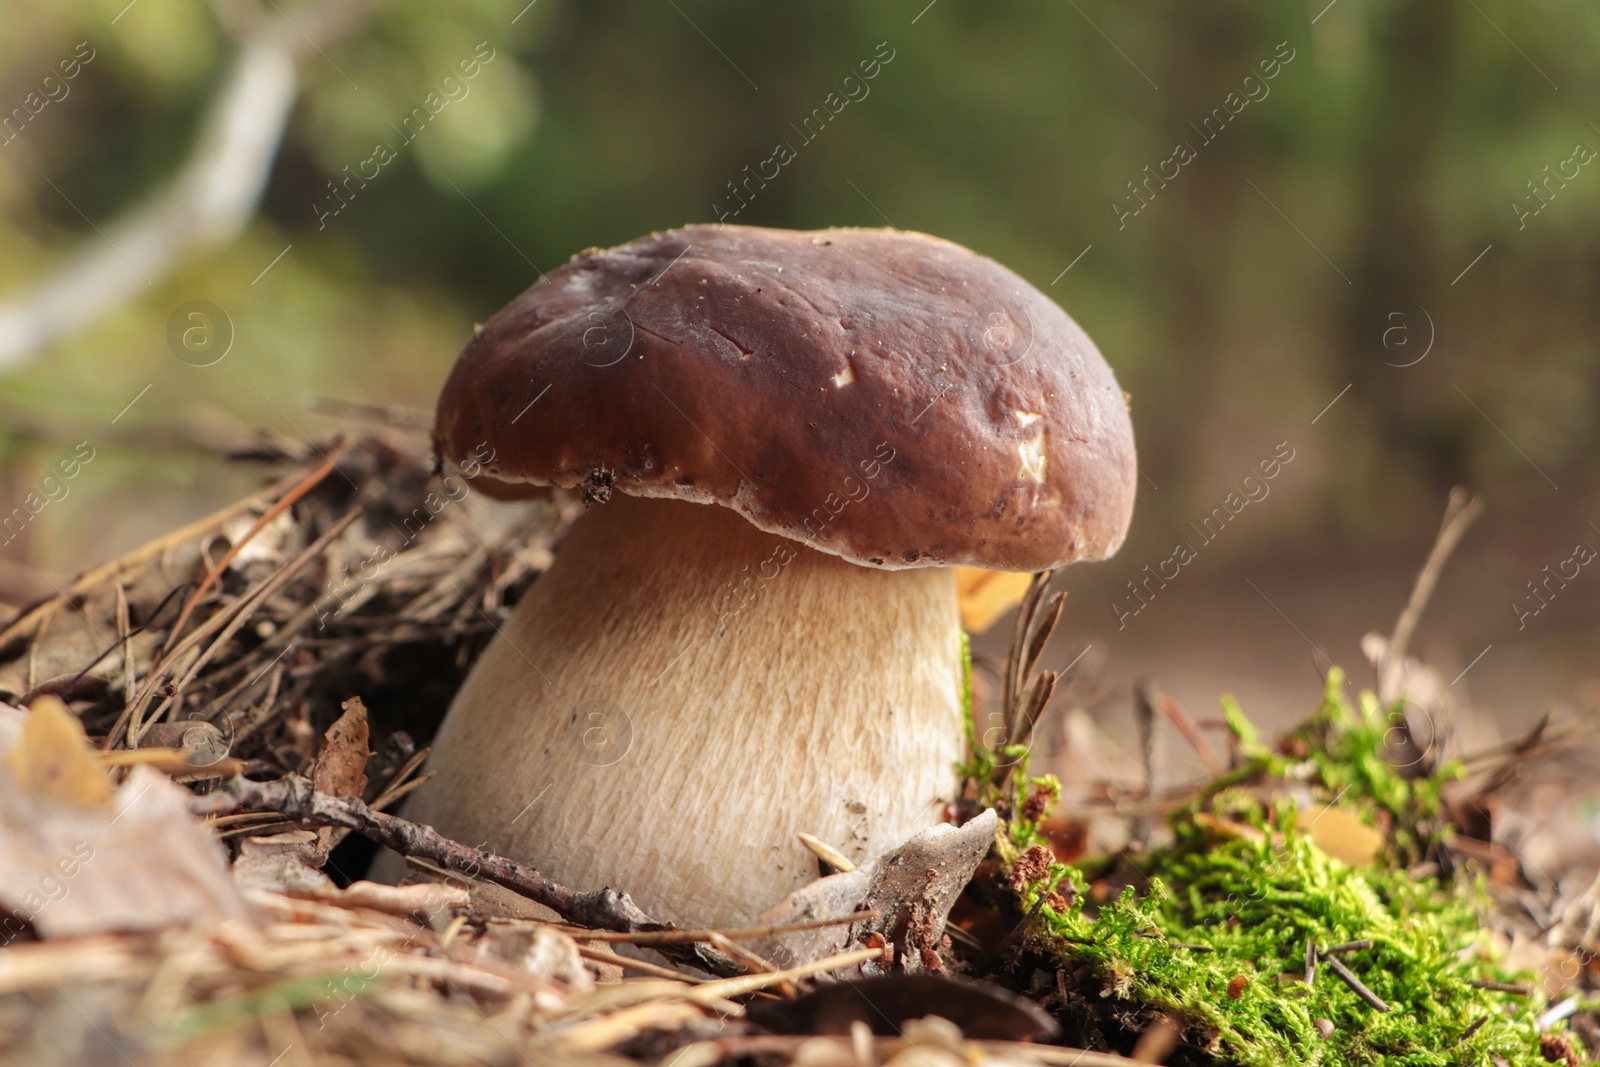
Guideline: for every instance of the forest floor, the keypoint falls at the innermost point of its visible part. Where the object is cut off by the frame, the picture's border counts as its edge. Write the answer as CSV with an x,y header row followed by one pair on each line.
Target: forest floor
x,y
1312,877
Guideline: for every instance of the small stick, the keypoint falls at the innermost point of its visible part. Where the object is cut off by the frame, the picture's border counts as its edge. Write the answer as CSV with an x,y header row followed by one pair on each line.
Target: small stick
x,y
1459,514
1477,1024
654,970
678,937
130,684
1561,1011
752,962
1145,710
1348,946
1145,718
424,867
749,983
398,784
1311,960
1191,733
294,797
1514,988
172,761
960,936
1356,985
132,562
398,792
826,853
242,817
1158,1040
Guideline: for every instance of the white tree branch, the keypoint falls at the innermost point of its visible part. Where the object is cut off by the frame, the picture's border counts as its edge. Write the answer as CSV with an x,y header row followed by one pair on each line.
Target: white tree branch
x,y
207,203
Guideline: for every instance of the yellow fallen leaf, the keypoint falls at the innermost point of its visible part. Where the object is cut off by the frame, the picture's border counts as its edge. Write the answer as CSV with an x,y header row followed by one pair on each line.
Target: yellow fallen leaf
x,y
1341,835
987,595
52,757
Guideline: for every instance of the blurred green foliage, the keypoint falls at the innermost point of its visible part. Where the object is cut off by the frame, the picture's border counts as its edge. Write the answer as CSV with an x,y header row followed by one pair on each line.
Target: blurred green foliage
x,y
1314,243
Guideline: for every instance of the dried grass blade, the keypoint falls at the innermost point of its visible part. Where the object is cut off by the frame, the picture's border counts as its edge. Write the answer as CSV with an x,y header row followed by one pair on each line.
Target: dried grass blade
x,y
1048,619
1459,514
246,609
284,502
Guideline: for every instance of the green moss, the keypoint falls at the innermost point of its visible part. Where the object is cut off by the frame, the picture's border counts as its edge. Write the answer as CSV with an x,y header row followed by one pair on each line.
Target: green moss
x,y
1241,889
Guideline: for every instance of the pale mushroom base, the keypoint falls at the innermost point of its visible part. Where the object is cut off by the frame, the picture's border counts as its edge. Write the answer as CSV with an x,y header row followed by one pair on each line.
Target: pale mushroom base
x,y
682,693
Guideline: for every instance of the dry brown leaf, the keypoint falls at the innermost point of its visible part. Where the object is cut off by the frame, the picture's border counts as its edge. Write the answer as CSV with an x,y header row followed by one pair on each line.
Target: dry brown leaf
x,y
288,862
1342,836
987,595
341,769
138,862
52,757
342,763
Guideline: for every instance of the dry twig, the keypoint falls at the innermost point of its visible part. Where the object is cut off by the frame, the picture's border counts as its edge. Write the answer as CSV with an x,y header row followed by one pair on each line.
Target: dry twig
x,y
293,797
1459,514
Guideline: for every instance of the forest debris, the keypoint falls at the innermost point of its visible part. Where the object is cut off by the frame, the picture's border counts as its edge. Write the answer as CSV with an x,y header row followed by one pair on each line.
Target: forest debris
x,y
537,950
75,854
1181,721
1557,1048
286,862
199,743
910,892
1161,1037
1341,834
674,937
335,976
68,869
1459,513
277,864
924,1042
175,763
295,798
1356,985
1032,866
341,769
341,765
884,1004
830,856
672,1005
987,595
426,898
51,760
380,974
1024,695
1361,945
279,507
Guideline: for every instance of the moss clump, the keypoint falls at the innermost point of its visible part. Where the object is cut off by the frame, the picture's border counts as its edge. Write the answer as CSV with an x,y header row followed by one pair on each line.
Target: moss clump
x,y
1217,934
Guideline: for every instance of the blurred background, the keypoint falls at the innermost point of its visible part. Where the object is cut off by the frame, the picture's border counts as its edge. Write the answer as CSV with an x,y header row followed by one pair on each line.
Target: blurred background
x,y
1363,234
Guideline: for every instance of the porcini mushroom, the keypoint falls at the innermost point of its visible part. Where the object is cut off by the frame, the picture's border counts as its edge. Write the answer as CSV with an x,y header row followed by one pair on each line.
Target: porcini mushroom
x,y
787,440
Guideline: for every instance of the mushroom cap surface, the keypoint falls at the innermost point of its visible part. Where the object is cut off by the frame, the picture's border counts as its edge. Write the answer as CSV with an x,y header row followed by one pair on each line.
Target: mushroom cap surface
x,y
890,398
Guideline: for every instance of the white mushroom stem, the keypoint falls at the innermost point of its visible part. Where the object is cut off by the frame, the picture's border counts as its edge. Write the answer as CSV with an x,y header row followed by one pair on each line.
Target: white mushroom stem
x,y
681,694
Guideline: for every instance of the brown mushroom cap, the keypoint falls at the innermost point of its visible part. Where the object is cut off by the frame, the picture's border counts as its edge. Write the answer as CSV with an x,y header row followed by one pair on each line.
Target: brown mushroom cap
x,y
891,398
